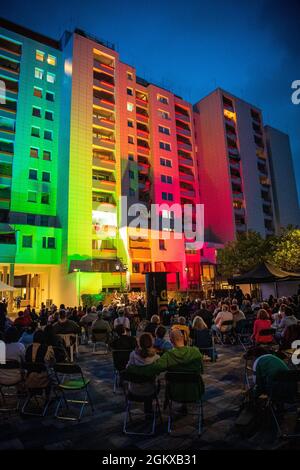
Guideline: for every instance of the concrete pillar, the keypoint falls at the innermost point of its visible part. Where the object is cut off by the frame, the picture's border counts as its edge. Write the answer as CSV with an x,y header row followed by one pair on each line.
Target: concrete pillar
x,y
11,283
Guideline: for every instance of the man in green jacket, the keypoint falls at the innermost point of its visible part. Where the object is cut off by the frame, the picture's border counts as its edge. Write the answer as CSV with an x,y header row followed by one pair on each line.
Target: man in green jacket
x,y
179,359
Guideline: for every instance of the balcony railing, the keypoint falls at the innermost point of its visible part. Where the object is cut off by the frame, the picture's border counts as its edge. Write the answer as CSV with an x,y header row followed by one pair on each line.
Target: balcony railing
x,y
182,117
186,177
104,67
103,103
186,161
182,131
182,146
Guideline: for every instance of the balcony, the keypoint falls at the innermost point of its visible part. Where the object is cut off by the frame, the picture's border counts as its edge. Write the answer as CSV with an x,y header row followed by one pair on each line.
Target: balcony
x,y
141,102
104,162
239,211
185,132
237,194
104,67
186,161
143,149
105,253
5,180
104,206
264,181
104,122
187,193
104,85
104,142
182,117
183,146
103,103
186,176
234,165
228,104
104,184
142,133
233,151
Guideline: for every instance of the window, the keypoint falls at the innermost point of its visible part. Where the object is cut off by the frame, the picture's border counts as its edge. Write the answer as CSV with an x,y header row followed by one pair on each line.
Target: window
x,y
35,131
38,73
164,146
38,92
162,245
47,155
129,106
147,267
166,179
44,220
130,139
39,55
129,123
27,241
30,219
167,196
165,162
131,174
45,198
51,60
46,176
36,112
48,135
49,115
49,96
130,91
129,76
49,242
164,130
131,192
32,196
135,267
34,152
162,99
131,157
163,114
50,77
33,175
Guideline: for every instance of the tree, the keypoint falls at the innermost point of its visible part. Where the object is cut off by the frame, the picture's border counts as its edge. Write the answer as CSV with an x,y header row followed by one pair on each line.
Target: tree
x,y
285,250
239,256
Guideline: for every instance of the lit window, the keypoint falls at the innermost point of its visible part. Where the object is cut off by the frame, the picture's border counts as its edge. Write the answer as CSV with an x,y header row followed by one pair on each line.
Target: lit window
x,y
46,176
48,135
34,152
35,131
32,196
129,106
38,92
36,112
39,55
46,155
51,60
50,77
27,241
38,73
33,175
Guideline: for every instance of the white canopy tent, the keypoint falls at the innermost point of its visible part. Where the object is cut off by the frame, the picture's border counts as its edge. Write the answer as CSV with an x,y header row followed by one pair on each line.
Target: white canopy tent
x,y
5,287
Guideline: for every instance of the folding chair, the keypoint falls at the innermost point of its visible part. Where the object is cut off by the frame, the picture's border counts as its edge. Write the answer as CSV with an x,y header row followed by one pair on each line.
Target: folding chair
x,y
243,331
120,361
131,398
227,335
184,388
268,332
71,342
284,390
204,340
10,385
40,391
70,379
100,337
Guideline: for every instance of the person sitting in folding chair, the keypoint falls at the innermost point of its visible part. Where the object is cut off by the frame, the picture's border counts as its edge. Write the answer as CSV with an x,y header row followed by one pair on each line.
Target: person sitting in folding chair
x,y
203,338
262,323
219,328
145,354
14,351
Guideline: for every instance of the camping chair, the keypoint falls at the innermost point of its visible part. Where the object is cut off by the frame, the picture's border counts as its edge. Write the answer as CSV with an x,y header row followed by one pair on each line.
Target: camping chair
x,y
8,388
71,342
38,389
284,389
243,331
184,388
225,337
204,340
100,337
70,379
131,399
120,361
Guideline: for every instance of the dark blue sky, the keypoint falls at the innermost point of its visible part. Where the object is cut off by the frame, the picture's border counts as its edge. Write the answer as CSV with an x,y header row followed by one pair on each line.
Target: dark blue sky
x,y
250,48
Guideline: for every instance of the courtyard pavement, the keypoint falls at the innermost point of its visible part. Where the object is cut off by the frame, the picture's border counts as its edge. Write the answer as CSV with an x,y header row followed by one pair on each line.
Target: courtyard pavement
x,y
102,430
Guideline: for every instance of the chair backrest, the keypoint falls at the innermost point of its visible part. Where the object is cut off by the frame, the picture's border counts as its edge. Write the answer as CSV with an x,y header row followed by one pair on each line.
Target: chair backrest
x,y
203,339
99,331
10,365
67,369
69,338
37,367
184,387
227,323
267,332
120,358
136,379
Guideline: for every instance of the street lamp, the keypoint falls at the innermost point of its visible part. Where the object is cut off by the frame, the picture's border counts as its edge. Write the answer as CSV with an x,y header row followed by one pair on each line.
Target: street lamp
x,y
187,281
77,270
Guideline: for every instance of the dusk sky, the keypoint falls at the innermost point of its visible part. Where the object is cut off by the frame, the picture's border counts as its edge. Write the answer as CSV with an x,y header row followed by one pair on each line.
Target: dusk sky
x,y
192,47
